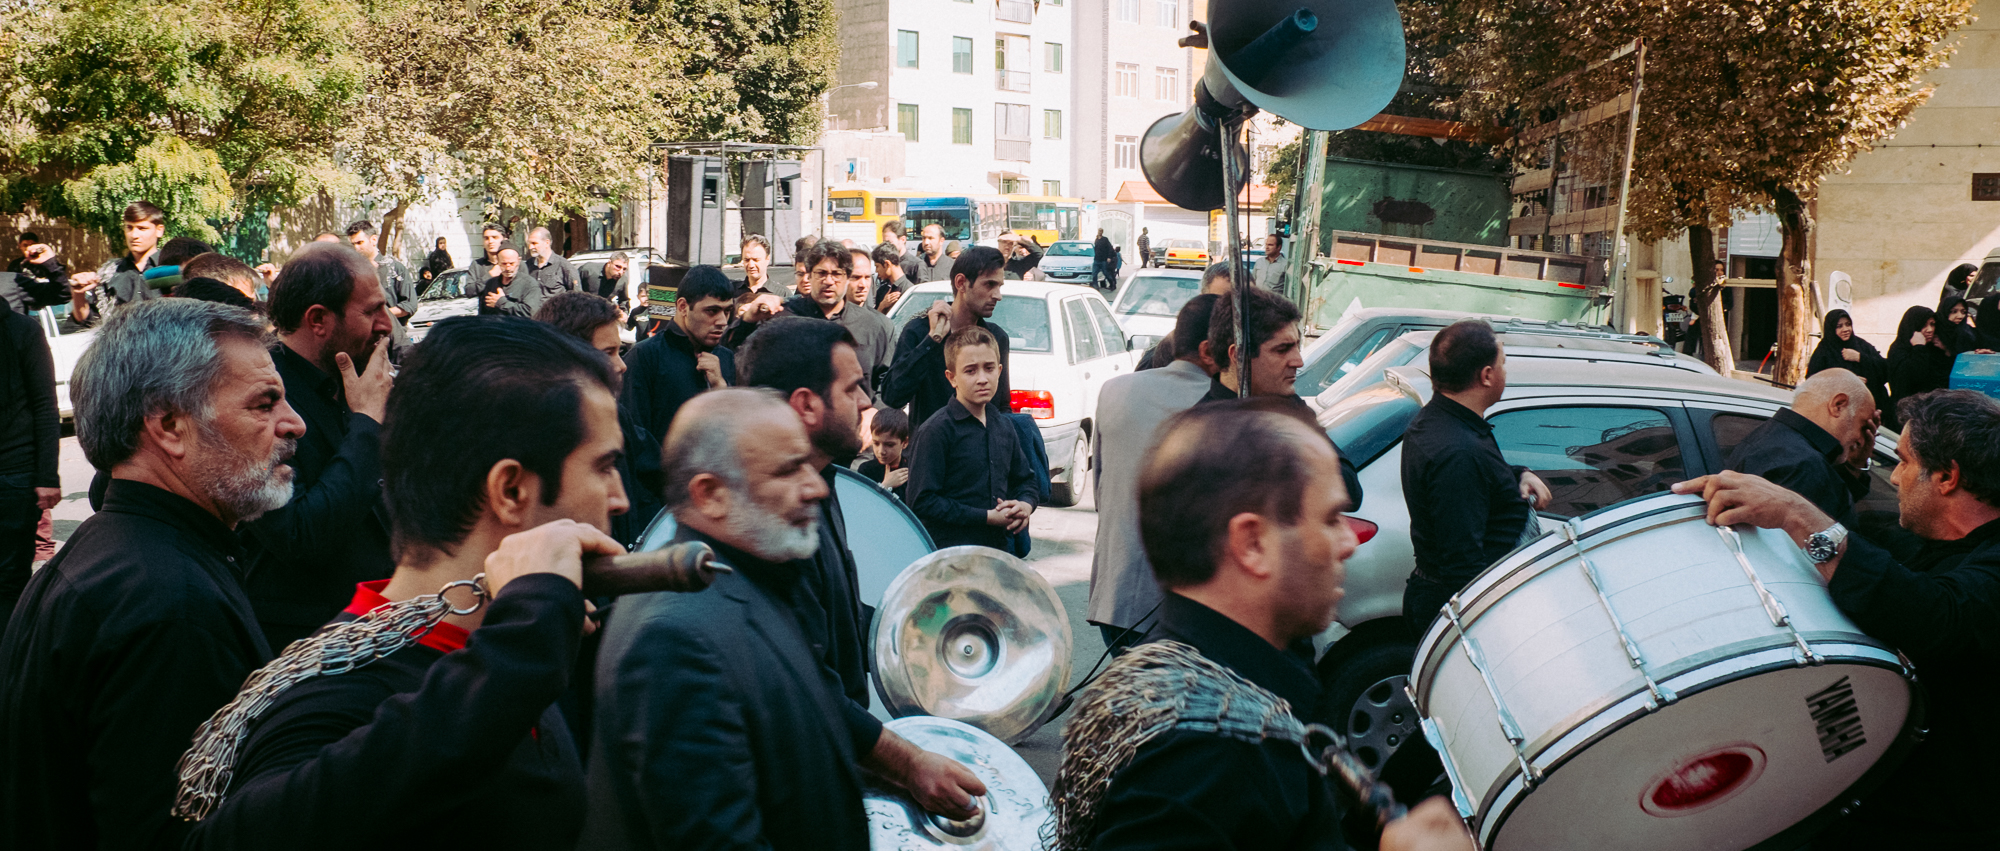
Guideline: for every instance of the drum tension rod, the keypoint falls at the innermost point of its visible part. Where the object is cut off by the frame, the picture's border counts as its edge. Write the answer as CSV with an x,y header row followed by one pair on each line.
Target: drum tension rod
x,y
1509,728
1458,797
1803,654
1661,695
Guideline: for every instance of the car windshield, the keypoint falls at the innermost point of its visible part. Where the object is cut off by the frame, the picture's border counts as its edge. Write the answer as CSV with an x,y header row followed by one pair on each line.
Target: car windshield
x,y
1366,424
1368,371
1151,295
1070,249
1024,318
449,285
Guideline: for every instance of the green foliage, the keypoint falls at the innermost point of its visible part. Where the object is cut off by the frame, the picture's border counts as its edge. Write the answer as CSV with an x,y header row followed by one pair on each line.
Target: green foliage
x,y
238,98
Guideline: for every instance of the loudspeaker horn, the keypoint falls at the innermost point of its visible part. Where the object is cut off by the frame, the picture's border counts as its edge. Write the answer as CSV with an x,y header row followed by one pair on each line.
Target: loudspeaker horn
x,y
1341,60
973,634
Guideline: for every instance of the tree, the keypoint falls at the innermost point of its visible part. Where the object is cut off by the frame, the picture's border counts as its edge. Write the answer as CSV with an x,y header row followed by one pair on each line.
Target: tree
x,y
209,109
1748,104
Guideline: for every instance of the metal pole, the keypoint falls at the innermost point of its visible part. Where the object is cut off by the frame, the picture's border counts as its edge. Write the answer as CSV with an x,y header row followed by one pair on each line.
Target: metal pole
x,y
1232,185
1620,256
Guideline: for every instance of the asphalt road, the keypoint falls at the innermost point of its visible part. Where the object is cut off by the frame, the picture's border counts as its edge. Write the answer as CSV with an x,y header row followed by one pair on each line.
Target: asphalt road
x,y
1064,539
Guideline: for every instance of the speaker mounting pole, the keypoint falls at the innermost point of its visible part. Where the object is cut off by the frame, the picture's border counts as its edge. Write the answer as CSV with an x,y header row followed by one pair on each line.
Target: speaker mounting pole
x,y
1232,186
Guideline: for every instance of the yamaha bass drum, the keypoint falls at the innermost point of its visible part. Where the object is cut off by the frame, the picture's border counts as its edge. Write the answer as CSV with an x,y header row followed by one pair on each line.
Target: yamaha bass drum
x,y
1638,679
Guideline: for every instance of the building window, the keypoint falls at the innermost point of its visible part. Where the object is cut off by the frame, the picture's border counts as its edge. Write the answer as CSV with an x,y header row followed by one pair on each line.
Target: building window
x,y
961,126
1013,186
1052,187
1126,80
1167,84
1128,11
961,55
906,120
1167,13
1051,123
1011,133
1125,151
906,49
1054,62
1016,11
1010,63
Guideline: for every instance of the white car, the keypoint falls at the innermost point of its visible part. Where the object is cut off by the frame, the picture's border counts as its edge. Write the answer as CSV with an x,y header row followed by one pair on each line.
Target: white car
x,y
1069,261
1063,345
446,297
64,349
1149,303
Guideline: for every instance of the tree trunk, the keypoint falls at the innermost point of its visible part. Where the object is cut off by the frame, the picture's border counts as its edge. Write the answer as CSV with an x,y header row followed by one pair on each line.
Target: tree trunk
x,y
1795,275
392,228
1706,299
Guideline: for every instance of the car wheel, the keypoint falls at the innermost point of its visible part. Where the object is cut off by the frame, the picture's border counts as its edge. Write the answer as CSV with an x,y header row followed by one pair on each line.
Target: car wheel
x,y
1367,701
1066,494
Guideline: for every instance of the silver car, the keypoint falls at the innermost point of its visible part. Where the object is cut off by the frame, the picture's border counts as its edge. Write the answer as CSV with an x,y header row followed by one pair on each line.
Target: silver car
x,y
1598,433
1069,261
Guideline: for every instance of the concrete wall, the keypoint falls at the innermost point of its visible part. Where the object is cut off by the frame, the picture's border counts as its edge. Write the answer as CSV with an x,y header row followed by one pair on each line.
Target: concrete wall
x,y
1902,217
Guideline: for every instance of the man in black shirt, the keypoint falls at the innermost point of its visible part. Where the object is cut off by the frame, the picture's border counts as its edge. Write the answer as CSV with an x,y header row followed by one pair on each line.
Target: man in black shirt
x,y
932,263
29,432
606,280
1468,507
916,372
509,292
1101,257
397,286
121,280
970,482
552,271
137,631
1250,545
891,279
724,691
358,760
685,358
486,265
1272,323
1023,256
334,323
1941,608
40,279
1813,447
593,320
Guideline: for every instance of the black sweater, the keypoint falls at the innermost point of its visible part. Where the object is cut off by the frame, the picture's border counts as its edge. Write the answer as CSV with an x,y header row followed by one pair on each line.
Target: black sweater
x,y
423,748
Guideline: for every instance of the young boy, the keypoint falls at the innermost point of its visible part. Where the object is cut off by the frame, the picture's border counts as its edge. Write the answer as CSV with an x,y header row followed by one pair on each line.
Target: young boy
x,y
891,431
970,482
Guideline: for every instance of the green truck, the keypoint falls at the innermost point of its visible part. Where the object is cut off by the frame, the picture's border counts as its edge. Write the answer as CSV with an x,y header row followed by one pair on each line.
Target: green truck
x,y
1370,234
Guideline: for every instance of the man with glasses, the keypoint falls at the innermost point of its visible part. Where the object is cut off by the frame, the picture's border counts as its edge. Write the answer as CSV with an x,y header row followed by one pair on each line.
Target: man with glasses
x,y
829,272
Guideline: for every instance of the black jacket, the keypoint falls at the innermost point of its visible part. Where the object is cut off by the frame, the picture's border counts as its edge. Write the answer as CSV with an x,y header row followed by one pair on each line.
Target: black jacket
x,y
1914,370
1942,610
1872,367
397,286
593,281
1101,250
715,727
519,297
1797,454
660,376
439,262
335,531
448,742
1465,503
836,619
1018,267
131,637
644,480
36,285
29,428
916,371
1187,790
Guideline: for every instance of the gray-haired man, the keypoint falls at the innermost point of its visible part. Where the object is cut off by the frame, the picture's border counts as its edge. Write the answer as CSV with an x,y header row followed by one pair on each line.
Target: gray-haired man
x,y
138,630
545,267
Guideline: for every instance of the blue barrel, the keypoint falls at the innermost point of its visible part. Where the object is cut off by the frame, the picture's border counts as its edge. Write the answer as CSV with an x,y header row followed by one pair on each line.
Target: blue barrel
x,y
1977,372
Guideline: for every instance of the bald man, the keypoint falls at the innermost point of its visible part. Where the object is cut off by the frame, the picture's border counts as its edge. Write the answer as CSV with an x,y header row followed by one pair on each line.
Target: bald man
x,y
1818,446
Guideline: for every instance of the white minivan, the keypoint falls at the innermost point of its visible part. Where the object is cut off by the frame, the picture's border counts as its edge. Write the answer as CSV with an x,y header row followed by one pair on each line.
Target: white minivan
x,y
1063,345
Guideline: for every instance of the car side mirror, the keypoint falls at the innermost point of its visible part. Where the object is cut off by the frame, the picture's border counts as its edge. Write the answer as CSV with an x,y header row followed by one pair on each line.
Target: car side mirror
x,y
1131,342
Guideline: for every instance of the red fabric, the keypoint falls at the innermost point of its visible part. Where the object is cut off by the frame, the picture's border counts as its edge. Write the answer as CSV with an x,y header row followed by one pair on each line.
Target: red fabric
x,y
443,638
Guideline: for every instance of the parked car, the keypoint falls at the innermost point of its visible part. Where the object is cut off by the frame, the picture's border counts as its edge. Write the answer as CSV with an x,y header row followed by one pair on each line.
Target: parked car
x,y
1063,345
64,349
1363,330
1522,339
1070,261
450,294
1148,304
1598,433
1184,254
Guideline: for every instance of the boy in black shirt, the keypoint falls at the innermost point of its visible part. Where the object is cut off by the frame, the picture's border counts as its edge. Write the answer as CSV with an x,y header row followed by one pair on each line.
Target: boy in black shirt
x,y
970,482
891,429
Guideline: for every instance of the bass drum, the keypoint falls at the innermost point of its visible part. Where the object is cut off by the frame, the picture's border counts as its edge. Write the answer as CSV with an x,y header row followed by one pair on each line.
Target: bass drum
x,y
1011,813
884,535
1639,679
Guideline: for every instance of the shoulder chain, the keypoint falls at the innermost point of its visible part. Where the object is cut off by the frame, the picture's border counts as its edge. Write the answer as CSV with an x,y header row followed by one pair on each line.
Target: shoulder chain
x,y
208,766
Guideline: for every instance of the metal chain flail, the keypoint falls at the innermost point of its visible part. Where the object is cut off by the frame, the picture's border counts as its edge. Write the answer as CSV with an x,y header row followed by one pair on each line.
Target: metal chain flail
x,y
208,766
1167,685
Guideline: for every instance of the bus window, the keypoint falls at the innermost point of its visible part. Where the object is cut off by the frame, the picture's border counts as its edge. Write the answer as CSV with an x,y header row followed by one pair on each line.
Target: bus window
x,y
891,207
852,206
952,222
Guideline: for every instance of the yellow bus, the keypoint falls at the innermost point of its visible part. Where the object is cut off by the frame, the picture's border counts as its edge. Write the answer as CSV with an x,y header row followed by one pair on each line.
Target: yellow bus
x,y
982,218
859,214
1047,218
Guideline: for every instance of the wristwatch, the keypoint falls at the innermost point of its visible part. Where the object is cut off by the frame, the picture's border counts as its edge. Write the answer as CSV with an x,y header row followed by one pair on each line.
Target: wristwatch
x,y
1823,546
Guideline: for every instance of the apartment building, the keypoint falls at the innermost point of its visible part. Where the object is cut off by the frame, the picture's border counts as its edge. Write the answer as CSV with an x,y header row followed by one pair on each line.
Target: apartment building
x,y
980,90
1129,73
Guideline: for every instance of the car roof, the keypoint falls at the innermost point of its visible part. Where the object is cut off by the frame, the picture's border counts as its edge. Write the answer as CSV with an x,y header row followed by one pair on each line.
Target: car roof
x,y
1033,289
1550,376
1561,342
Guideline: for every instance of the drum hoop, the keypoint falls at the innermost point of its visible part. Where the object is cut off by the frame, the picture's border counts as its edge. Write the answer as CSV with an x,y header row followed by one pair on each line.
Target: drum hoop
x,y
908,515
1494,585
1506,791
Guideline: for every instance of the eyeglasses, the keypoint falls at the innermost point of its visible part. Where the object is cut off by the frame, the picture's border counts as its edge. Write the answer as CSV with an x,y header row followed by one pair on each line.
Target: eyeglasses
x,y
834,275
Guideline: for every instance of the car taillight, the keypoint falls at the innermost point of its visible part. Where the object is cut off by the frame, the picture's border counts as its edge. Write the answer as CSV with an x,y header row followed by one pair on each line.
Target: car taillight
x,y
1364,530
1039,404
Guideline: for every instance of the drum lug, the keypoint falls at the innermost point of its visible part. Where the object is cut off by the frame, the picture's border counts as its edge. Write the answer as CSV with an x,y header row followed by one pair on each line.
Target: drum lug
x,y
1660,695
1802,652
1509,728
1458,798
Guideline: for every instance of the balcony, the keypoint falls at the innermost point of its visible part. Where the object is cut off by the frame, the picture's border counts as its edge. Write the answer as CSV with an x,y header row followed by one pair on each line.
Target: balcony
x,y
1010,81
1015,150
1016,11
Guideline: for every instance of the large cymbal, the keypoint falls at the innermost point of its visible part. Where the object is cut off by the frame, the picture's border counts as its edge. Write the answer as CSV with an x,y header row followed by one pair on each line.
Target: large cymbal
x,y
972,634
1011,813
